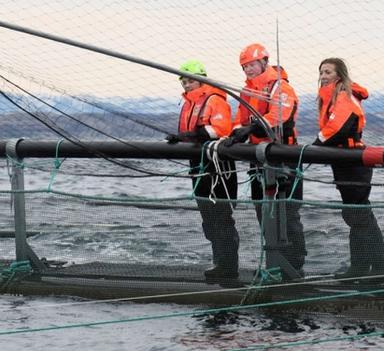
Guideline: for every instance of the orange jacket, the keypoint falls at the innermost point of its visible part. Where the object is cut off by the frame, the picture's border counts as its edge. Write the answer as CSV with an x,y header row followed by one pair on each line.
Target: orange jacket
x,y
266,84
341,123
206,107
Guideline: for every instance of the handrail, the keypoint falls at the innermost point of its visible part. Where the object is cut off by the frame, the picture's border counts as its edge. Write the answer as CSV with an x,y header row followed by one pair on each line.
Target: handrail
x,y
372,156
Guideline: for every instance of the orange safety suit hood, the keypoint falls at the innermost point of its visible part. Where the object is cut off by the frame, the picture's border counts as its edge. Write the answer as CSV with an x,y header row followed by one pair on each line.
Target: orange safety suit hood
x,y
326,92
359,92
271,73
342,121
204,90
206,107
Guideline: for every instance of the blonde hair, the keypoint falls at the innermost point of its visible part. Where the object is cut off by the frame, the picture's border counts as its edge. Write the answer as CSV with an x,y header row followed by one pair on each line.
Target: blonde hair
x,y
344,82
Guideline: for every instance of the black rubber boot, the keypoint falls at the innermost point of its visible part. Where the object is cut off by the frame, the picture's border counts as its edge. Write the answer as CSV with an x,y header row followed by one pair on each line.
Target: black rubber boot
x,y
359,250
225,277
220,273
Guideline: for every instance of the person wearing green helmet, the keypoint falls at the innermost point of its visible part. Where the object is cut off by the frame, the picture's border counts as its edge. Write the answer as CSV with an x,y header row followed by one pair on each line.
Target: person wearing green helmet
x,y
206,115
194,67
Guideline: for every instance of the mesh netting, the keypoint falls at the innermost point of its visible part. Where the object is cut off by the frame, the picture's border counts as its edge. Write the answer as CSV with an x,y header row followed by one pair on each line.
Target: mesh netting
x,y
137,220
77,229
115,231
82,94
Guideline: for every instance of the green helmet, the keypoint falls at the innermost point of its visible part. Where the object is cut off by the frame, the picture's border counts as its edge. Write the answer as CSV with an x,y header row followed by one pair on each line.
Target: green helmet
x,y
193,67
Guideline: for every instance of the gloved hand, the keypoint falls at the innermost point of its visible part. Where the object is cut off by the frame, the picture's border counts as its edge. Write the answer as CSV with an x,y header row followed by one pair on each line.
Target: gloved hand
x,y
238,135
199,135
256,124
257,127
172,138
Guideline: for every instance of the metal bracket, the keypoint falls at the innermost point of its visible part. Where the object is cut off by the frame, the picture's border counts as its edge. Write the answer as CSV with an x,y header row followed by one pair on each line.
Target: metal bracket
x,y
275,226
23,250
261,150
11,148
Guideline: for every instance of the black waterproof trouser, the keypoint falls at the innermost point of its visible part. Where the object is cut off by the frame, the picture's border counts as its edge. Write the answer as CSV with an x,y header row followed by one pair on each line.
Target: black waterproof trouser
x,y
365,238
295,251
218,223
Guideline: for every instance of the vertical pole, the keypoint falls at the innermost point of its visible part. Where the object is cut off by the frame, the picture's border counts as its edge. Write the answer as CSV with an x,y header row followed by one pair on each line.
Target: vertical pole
x,y
17,183
274,220
271,213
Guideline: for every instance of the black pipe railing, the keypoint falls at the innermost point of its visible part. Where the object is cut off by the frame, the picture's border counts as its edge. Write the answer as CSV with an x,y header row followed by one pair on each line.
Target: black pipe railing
x,y
272,153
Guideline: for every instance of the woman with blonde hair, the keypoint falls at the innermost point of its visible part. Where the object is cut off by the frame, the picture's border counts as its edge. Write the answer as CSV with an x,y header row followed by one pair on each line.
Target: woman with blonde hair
x,y
341,122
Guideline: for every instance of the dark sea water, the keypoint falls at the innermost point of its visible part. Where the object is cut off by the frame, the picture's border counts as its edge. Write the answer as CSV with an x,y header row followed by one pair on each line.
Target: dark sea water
x,y
76,231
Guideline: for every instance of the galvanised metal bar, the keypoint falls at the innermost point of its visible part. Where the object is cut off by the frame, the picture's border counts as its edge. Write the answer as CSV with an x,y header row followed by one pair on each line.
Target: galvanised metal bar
x,y
17,185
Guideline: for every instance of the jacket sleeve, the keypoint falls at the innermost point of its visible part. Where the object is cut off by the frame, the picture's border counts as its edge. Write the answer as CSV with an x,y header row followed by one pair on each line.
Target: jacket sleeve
x,y
288,105
341,116
217,117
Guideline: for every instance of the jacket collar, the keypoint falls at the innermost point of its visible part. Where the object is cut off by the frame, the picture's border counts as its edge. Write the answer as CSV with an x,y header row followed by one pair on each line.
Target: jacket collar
x,y
326,93
205,89
262,79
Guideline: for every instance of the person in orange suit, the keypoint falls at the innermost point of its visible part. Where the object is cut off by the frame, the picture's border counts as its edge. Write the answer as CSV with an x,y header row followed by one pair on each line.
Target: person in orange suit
x,y
205,116
268,91
341,123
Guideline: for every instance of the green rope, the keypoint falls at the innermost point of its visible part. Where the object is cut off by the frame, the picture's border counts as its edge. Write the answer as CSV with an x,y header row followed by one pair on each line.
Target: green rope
x,y
15,162
16,271
299,172
193,313
28,164
174,173
57,163
270,275
262,276
201,168
314,203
